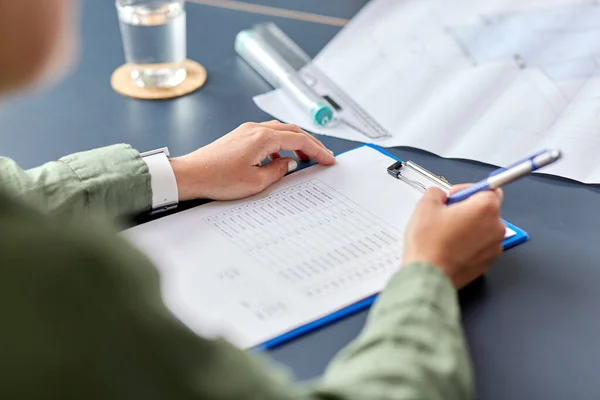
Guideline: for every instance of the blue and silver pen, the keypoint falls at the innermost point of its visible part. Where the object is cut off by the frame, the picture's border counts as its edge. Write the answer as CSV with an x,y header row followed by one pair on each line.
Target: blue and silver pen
x,y
503,176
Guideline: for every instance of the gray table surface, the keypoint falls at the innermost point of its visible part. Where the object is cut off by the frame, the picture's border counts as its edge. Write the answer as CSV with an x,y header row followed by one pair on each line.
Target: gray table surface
x,y
532,324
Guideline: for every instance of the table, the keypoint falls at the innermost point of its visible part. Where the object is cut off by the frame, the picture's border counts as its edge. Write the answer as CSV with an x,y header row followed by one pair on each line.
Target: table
x,y
532,324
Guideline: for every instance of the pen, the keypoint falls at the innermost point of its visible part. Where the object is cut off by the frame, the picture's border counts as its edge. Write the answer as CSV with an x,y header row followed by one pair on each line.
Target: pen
x,y
503,176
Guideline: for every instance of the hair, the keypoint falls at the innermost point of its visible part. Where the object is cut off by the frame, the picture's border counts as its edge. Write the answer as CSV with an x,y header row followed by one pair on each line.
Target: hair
x,y
34,36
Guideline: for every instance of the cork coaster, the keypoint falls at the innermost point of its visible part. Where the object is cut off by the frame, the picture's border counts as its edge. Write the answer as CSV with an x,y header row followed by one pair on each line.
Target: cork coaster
x,y
122,83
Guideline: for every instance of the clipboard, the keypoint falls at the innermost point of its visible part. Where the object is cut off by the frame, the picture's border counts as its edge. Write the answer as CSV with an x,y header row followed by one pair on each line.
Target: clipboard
x,y
410,173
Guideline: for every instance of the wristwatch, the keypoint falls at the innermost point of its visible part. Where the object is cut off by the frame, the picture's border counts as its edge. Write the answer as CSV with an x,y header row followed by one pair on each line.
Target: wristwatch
x,y
165,195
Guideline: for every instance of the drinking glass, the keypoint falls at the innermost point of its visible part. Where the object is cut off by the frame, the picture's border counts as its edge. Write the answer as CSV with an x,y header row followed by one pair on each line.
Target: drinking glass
x,y
154,41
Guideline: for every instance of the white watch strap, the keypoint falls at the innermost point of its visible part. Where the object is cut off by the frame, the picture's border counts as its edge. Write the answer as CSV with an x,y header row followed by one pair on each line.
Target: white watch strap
x,y
162,179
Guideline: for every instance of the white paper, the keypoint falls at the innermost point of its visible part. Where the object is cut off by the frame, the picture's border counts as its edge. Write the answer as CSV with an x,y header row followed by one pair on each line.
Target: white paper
x,y
312,244
492,81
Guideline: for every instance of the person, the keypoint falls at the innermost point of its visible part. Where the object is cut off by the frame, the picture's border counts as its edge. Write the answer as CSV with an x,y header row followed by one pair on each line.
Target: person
x,y
82,315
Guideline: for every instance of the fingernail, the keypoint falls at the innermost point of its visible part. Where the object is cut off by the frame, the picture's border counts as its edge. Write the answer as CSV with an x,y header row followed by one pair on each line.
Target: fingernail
x,y
331,152
292,165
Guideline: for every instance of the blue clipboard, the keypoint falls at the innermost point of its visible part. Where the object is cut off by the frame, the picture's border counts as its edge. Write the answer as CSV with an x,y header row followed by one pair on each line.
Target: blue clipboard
x,y
520,237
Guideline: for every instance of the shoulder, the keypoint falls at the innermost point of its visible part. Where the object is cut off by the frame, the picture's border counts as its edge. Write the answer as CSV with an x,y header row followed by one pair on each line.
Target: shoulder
x,y
69,296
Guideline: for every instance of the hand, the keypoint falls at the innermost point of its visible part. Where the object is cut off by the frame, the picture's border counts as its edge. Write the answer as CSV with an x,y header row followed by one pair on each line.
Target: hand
x,y
461,239
230,168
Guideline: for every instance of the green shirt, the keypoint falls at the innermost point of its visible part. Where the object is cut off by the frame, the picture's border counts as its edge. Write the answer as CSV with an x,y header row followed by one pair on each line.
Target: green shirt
x,y
82,315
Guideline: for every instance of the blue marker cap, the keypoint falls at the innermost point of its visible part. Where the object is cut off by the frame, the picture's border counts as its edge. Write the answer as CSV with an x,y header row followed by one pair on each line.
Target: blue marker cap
x,y
322,114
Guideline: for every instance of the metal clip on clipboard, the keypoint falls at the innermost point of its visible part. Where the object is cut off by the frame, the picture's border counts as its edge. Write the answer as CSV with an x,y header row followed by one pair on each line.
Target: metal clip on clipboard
x,y
417,176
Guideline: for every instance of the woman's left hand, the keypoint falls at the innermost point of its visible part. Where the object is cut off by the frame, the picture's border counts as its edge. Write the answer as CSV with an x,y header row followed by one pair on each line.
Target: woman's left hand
x,y
230,167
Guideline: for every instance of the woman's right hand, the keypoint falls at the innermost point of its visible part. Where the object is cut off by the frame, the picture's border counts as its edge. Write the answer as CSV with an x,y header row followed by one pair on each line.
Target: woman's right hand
x,y
461,239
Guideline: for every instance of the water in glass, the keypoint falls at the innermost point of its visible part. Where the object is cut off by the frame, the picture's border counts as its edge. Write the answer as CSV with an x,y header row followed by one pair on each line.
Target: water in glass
x,y
154,40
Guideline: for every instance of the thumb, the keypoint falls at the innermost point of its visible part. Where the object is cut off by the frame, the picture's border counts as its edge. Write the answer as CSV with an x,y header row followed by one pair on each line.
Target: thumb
x,y
277,169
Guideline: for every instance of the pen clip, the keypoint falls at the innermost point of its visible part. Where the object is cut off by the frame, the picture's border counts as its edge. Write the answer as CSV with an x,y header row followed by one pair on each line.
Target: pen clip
x,y
499,170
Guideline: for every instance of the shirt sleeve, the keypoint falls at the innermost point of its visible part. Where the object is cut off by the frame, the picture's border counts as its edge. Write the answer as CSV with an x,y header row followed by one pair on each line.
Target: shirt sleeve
x,y
113,180
412,347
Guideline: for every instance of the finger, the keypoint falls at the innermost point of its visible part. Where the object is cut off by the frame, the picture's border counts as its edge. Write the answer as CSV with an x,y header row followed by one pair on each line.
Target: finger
x,y
492,248
274,171
489,242
459,187
294,141
317,141
486,201
280,126
481,210
489,196
433,197
274,156
434,194
500,231
489,255
314,139
497,252
500,193
302,156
